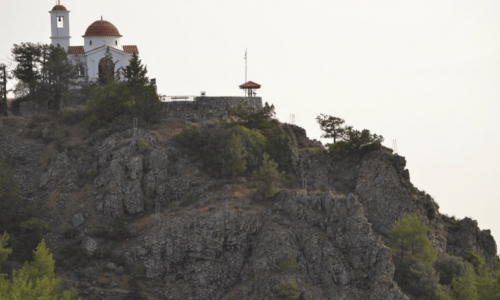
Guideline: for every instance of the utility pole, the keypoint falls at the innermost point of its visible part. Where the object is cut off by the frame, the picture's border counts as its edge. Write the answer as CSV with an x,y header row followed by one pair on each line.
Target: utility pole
x,y
246,60
3,103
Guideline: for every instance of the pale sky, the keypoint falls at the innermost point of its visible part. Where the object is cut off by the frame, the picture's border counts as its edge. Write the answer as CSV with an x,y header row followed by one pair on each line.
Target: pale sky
x,y
426,73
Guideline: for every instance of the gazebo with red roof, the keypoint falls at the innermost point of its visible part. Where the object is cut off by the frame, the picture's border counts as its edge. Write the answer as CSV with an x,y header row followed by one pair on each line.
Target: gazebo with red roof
x,y
249,88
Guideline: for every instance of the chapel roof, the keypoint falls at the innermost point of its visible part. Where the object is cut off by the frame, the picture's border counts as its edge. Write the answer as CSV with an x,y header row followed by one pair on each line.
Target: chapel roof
x,y
76,50
102,28
59,7
131,49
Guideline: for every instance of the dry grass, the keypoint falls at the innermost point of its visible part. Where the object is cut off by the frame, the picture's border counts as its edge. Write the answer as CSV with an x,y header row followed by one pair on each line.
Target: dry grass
x,y
145,221
75,137
52,200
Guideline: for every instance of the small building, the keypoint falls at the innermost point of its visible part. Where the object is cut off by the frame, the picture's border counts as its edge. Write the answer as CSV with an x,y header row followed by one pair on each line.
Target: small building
x,y
100,36
249,87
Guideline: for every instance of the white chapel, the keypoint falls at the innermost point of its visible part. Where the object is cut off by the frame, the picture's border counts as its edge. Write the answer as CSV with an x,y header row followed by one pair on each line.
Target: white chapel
x,y
98,37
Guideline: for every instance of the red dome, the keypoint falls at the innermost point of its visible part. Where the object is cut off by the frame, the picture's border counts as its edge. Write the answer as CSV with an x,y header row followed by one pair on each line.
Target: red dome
x,y
102,28
59,7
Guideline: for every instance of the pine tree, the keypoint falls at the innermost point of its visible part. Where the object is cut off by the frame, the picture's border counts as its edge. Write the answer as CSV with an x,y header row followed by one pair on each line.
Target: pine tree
x,y
409,237
146,101
332,126
61,75
135,74
35,280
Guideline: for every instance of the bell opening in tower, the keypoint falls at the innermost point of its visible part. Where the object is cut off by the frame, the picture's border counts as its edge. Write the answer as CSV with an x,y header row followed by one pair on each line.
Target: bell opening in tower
x,y
60,22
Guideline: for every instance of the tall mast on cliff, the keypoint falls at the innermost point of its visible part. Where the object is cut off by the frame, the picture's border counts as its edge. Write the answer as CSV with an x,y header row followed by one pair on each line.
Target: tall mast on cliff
x,y
246,60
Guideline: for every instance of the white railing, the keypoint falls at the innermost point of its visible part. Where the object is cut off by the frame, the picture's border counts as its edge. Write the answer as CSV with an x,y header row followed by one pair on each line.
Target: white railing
x,y
164,98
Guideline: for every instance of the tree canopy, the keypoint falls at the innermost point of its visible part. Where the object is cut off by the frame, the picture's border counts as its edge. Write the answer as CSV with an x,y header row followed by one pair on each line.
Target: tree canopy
x,y
346,139
331,126
44,71
35,280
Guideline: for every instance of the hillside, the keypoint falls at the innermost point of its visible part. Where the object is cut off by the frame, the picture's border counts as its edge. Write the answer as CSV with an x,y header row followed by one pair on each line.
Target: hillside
x,y
144,206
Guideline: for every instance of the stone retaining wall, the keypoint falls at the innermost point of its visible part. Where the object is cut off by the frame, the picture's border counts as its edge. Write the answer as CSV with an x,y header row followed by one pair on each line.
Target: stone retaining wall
x,y
204,108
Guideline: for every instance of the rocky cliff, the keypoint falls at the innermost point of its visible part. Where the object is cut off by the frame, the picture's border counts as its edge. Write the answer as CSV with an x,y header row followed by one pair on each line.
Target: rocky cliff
x,y
199,237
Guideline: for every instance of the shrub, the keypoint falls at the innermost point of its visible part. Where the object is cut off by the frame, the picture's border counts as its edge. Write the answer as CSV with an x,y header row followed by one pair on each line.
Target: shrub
x,y
234,155
290,265
357,142
282,148
143,146
240,143
72,115
288,289
107,103
189,199
73,255
60,139
417,278
267,176
449,267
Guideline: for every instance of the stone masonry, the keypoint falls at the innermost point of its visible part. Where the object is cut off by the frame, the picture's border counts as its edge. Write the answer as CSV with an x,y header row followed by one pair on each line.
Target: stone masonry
x,y
205,107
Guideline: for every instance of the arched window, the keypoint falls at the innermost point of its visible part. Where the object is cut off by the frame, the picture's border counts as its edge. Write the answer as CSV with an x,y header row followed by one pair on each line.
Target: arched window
x,y
116,43
90,42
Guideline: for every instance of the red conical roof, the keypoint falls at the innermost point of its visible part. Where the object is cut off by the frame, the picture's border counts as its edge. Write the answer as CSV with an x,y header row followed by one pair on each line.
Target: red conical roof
x,y
59,7
250,85
102,28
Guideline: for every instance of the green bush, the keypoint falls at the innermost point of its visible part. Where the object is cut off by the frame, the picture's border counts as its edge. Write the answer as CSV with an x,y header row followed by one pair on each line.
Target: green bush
x,y
288,289
60,139
282,148
290,265
234,154
417,278
240,146
449,267
72,115
268,176
189,199
73,255
357,142
107,103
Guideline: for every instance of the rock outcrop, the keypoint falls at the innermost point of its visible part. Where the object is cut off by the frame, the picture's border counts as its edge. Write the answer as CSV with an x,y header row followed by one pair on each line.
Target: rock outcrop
x,y
233,255
200,237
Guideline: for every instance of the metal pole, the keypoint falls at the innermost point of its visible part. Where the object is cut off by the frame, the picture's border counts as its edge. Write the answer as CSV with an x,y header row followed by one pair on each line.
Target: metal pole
x,y
246,60
3,104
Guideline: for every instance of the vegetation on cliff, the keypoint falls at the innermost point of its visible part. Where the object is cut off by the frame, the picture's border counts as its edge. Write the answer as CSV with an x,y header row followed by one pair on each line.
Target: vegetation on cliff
x,y
424,274
35,280
346,139
19,220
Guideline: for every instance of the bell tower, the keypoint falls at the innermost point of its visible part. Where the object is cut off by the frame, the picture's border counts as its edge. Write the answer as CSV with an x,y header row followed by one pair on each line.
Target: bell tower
x,y
59,24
